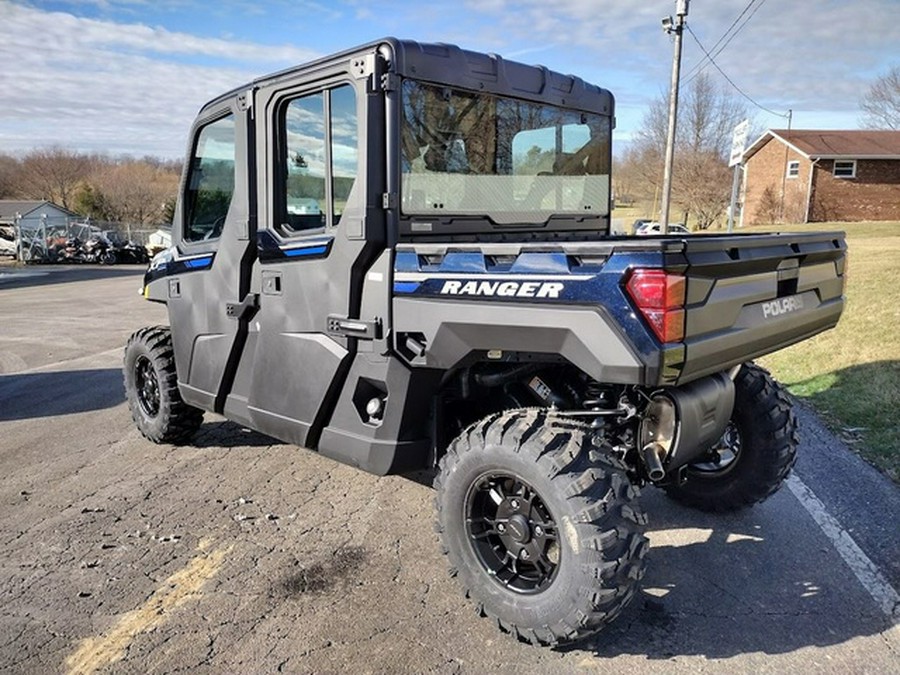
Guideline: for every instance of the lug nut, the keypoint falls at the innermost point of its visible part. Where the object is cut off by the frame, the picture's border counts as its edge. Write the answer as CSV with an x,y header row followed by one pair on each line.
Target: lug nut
x,y
514,503
501,528
524,554
538,530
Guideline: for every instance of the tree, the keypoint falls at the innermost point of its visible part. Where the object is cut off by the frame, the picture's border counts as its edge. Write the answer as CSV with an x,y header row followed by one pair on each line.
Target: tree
x,y
9,167
881,103
769,207
701,183
133,191
54,174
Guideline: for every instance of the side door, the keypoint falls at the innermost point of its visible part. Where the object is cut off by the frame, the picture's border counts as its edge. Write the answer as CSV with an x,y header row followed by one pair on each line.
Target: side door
x,y
319,235
212,231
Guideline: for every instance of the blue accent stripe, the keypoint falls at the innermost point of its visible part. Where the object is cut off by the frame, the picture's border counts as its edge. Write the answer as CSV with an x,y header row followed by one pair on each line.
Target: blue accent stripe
x,y
197,263
406,286
307,250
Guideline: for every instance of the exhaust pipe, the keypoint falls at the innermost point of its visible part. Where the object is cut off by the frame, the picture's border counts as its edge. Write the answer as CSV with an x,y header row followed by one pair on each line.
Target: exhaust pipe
x,y
652,455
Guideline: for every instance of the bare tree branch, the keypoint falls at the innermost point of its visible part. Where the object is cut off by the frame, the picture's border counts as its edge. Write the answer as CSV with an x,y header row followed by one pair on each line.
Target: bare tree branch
x,y
881,103
702,181
54,174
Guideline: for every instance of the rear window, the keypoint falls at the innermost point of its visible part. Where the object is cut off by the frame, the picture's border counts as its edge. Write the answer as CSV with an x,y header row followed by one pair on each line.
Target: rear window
x,y
470,153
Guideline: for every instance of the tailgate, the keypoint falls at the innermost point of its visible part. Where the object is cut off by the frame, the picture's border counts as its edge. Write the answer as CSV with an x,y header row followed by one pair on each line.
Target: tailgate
x,y
754,294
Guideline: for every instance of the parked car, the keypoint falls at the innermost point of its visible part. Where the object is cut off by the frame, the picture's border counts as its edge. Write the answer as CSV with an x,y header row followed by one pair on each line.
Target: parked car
x,y
9,245
648,229
638,224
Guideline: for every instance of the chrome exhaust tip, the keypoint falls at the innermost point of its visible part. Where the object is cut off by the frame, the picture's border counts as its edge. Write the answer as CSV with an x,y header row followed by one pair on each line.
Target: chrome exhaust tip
x,y
652,455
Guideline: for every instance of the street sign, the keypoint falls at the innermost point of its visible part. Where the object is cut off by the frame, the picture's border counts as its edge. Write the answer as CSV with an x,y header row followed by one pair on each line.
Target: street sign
x,y
738,140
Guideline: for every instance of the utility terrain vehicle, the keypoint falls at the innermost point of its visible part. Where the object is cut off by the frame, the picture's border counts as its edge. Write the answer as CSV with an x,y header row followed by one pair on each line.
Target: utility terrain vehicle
x,y
399,257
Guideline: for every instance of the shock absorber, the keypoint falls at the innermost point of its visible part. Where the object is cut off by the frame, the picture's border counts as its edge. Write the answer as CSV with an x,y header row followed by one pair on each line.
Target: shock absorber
x,y
597,397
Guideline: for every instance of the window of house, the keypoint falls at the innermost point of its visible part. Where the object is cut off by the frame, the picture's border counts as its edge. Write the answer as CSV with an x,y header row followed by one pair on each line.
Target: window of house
x,y
845,168
793,169
211,181
319,159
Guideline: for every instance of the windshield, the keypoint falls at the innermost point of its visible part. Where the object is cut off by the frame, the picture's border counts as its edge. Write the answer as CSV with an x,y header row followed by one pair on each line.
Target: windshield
x,y
513,161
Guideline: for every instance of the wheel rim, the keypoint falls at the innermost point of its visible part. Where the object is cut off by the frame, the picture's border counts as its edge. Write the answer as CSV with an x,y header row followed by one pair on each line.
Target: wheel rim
x,y
146,383
722,457
512,533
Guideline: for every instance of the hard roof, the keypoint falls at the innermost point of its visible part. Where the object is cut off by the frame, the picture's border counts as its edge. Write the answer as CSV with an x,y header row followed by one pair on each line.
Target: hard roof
x,y
834,144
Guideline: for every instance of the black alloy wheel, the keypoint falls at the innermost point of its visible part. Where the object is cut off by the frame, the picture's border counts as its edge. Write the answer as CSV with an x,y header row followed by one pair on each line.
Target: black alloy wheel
x,y
724,455
146,386
513,533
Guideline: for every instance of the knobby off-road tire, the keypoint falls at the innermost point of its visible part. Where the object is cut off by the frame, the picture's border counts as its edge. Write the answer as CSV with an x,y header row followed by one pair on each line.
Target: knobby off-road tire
x,y
151,387
527,480
753,457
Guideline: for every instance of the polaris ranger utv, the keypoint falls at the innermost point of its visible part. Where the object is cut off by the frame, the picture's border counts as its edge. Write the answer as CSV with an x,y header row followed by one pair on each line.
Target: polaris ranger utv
x,y
400,257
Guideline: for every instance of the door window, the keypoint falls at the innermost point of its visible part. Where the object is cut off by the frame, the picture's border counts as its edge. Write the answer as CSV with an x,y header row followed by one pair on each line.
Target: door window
x,y
344,141
211,181
319,159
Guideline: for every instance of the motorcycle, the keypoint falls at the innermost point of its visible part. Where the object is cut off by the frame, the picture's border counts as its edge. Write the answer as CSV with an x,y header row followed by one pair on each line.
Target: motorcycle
x,y
126,250
97,249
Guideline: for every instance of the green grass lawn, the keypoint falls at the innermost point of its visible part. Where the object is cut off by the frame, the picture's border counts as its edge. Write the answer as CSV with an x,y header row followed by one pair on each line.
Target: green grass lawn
x,y
851,375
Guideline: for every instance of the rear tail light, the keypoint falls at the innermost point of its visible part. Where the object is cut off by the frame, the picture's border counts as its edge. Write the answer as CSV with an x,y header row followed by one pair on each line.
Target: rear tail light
x,y
659,297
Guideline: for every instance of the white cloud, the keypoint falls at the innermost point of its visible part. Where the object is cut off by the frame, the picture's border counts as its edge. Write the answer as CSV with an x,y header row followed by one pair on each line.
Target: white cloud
x,y
127,87
109,87
816,56
68,31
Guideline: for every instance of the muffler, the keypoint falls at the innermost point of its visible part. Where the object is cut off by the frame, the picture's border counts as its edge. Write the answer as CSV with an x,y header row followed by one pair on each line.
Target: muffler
x,y
682,423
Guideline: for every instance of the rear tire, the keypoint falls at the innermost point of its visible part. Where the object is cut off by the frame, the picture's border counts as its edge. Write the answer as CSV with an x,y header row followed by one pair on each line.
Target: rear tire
x,y
754,455
540,527
151,387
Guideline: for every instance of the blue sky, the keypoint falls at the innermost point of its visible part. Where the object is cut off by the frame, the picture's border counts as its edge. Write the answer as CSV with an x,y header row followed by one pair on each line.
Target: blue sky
x,y
127,76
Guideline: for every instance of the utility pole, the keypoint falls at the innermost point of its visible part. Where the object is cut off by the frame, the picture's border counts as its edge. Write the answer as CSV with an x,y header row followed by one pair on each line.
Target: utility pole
x,y
671,27
790,118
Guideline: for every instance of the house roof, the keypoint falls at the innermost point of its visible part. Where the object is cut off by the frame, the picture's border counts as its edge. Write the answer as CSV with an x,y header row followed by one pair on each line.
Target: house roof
x,y
10,207
834,144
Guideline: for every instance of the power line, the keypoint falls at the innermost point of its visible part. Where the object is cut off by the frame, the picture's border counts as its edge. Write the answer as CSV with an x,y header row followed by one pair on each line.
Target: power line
x,y
739,28
715,52
737,88
721,37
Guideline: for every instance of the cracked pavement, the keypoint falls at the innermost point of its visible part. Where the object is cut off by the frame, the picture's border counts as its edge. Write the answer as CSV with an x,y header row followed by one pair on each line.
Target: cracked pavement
x,y
238,553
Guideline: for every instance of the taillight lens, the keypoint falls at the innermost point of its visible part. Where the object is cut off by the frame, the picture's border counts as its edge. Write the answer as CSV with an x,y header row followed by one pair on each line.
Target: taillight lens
x,y
659,297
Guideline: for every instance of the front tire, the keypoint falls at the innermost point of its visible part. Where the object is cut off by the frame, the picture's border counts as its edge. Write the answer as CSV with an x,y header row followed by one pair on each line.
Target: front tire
x,y
540,527
151,387
754,455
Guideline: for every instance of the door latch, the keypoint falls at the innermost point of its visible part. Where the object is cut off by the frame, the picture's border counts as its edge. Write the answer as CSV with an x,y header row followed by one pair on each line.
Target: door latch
x,y
239,310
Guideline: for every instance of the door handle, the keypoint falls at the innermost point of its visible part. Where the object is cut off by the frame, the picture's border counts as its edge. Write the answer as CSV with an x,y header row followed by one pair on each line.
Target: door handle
x,y
343,327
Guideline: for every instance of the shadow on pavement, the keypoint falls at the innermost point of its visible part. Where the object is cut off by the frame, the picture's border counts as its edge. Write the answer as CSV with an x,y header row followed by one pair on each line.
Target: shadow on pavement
x,y
33,395
43,275
737,584
228,434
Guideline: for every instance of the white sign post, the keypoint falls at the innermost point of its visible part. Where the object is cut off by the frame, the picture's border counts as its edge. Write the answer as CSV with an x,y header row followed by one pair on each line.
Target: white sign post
x,y
738,141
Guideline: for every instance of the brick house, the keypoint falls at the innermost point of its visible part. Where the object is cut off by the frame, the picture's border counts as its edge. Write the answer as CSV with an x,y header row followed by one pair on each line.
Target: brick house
x,y
809,176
